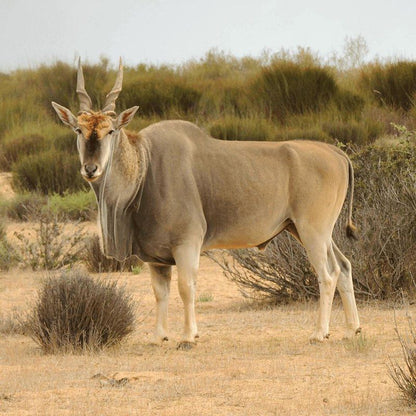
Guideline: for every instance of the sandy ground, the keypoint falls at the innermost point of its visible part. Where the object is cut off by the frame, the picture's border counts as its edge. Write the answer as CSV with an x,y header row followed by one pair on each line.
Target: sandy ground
x,y
249,360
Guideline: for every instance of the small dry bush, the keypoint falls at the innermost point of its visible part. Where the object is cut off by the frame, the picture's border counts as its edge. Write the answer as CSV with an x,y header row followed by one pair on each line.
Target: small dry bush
x,y
280,273
405,376
8,256
97,262
75,313
23,207
51,248
12,324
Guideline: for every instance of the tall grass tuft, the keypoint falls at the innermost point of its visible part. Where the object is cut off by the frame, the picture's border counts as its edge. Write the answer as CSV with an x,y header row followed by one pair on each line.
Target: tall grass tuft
x,y
286,88
237,128
392,84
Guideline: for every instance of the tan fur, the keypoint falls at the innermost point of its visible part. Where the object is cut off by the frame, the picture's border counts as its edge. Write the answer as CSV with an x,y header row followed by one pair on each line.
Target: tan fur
x,y
94,121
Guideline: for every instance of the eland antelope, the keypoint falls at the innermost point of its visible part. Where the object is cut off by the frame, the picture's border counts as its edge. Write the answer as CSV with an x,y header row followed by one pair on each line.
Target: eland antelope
x,y
170,192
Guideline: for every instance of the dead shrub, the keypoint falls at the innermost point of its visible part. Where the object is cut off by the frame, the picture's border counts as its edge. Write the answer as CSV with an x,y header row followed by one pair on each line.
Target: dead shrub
x,y
12,324
280,273
75,313
405,376
97,262
52,248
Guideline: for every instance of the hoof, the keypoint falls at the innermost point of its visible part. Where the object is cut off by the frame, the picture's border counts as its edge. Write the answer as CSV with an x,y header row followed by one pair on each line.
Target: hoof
x,y
185,345
315,338
159,340
351,333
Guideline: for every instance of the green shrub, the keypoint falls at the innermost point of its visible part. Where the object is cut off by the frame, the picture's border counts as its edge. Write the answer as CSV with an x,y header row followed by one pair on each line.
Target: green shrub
x,y
48,172
66,143
352,131
13,150
236,128
348,103
392,84
75,313
80,205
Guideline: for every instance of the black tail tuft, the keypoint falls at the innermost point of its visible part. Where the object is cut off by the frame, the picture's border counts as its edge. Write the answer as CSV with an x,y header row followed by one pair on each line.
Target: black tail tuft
x,y
352,231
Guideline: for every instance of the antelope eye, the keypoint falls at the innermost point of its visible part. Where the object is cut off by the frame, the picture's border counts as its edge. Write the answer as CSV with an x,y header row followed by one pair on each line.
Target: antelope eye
x,y
78,130
111,132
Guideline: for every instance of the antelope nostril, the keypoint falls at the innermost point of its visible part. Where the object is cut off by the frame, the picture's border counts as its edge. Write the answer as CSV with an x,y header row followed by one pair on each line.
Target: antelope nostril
x,y
90,169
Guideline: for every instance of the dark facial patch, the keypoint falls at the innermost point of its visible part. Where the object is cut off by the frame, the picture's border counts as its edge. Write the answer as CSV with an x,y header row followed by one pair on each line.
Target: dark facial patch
x,y
92,143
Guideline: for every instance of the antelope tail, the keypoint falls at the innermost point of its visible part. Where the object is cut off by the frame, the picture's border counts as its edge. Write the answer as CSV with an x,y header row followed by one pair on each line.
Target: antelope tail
x,y
351,229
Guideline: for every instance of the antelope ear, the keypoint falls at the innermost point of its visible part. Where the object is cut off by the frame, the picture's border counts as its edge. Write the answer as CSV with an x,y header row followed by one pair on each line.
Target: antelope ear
x,y
65,115
125,117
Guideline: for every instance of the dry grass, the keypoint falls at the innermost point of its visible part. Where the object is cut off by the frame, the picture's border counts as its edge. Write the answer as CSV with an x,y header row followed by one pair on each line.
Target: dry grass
x,y
250,360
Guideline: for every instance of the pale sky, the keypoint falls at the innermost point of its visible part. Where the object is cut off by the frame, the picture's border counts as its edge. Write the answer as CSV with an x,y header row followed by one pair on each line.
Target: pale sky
x,y
174,31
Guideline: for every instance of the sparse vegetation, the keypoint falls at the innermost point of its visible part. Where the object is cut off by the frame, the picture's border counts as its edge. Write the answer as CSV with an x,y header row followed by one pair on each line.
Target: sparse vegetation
x,y
360,344
51,248
75,313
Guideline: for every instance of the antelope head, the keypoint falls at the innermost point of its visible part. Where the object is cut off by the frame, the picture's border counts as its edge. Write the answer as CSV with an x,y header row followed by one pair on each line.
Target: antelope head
x,y
96,130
